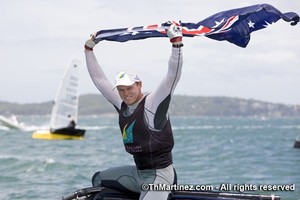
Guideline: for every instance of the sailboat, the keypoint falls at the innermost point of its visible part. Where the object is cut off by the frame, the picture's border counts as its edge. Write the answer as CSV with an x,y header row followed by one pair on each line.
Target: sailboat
x,y
64,114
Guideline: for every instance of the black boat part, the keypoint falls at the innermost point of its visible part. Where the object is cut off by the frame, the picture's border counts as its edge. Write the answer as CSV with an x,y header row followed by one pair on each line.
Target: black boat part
x,y
103,193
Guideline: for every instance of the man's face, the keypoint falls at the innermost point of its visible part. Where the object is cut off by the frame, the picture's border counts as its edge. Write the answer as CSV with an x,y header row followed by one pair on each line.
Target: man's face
x,y
130,94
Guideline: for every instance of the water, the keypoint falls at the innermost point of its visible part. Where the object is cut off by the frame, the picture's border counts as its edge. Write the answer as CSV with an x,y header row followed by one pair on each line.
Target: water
x,y
242,152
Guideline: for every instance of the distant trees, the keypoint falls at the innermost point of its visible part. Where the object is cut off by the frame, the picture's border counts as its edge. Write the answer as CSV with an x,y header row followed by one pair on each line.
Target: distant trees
x,y
94,104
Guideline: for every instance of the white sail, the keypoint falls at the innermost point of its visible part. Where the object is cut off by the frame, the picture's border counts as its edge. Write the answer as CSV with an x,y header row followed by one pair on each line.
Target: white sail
x,y
66,102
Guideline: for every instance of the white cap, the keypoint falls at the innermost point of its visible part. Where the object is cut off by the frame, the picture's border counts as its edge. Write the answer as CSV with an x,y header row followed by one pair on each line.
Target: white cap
x,y
126,79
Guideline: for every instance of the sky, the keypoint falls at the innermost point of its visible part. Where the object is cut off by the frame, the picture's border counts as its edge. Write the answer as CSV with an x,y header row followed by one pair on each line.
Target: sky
x,y
39,38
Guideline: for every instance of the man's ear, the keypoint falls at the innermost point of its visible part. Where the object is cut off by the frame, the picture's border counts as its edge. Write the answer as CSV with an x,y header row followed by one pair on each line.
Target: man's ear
x,y
139,83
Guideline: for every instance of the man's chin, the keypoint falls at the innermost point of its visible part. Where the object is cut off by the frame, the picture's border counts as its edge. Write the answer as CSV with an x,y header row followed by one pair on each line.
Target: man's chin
x,y
128,101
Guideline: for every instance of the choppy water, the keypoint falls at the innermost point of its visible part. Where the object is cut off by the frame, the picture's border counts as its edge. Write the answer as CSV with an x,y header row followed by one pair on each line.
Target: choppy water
x,y
208,151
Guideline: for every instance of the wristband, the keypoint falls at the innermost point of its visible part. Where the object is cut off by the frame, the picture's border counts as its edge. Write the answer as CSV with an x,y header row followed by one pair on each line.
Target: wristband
x,y
176,39
88,48
177,45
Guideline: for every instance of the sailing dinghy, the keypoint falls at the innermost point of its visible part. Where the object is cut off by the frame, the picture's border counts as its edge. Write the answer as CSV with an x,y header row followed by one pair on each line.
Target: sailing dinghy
x,y
64,114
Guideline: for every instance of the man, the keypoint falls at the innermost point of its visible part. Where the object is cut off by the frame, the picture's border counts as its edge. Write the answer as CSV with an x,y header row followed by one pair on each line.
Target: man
x,y
143,121
72,123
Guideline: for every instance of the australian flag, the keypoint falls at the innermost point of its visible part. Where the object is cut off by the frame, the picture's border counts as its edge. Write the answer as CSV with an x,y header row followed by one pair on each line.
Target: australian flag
x,y
233,26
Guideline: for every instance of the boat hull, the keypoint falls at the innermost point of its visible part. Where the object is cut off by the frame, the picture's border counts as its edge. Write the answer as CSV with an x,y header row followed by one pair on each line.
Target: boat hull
x,y
297,144
59,134
95,193
11,124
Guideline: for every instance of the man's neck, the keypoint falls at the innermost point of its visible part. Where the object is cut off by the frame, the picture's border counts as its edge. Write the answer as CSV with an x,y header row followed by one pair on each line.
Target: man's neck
x,y
131,108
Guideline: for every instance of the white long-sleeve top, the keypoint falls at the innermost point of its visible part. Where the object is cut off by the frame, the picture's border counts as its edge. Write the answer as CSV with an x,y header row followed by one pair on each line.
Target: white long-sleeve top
x,y
157,102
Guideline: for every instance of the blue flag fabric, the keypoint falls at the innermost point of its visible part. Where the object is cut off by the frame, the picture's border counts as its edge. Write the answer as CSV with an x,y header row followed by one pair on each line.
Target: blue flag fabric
x,y
233,25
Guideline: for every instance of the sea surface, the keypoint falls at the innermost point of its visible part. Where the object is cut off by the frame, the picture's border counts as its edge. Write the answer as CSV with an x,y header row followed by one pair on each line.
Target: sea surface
x,y
244,153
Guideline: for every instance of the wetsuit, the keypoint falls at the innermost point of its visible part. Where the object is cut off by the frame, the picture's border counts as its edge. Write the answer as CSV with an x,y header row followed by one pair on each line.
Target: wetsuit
x,y
153,159
72,124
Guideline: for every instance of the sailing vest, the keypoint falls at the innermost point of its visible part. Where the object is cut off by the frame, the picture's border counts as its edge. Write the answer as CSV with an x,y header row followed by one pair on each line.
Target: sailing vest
x,y
150,149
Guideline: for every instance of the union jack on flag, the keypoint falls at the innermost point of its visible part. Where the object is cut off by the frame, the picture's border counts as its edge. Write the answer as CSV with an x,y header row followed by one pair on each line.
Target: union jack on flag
x,y
233,26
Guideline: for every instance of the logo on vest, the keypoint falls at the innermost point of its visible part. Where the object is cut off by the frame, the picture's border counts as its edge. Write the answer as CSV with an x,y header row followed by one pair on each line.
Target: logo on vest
x,y
127,133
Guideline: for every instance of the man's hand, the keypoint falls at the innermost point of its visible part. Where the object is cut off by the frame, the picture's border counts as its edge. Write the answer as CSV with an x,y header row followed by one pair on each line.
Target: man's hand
x,y
175,33
91,42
